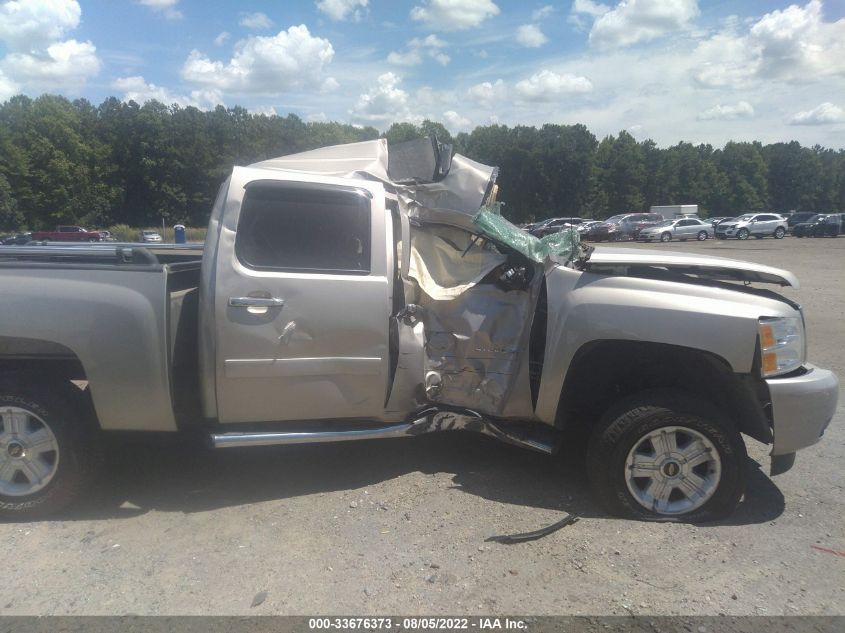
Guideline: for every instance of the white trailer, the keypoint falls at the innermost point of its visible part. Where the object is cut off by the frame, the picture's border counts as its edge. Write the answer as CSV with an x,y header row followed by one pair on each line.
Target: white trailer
x,y
672,211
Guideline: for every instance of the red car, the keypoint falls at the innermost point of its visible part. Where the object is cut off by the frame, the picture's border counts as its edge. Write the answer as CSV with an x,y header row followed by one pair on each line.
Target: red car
x,y
67,234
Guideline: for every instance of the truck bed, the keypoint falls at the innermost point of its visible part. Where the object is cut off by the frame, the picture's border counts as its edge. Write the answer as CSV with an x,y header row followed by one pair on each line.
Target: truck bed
x,y
127,313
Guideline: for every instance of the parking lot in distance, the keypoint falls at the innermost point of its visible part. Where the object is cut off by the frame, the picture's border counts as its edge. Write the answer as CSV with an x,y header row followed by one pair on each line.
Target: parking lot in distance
x,y
399,526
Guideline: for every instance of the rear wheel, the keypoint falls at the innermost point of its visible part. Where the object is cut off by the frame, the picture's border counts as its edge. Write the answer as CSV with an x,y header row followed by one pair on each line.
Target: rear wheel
x,y
666,237
779,233
46,451
666,456
702,235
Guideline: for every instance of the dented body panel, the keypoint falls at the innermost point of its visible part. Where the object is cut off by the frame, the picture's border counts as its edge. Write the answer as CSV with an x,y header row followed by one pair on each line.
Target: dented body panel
x,y
429,312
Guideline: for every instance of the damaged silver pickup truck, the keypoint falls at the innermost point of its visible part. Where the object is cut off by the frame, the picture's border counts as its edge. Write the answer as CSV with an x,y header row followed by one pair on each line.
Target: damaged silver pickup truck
x,y
347,293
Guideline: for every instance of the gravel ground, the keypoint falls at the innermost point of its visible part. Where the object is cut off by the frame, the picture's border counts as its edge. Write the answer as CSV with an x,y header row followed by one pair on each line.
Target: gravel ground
x,y
399,526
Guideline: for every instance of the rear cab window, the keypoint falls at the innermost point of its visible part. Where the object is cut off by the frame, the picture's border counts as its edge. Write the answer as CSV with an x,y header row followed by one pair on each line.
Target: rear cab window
x,y
304,227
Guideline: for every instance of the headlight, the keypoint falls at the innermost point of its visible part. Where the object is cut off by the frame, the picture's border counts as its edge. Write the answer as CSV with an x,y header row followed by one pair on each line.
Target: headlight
x,y
782,344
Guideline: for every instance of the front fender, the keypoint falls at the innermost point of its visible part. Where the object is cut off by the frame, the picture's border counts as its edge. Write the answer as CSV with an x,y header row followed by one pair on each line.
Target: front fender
x,y
585,307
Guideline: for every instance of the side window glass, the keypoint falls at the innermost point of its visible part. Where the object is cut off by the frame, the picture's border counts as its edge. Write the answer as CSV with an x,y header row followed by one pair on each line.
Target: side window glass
x,y
304,227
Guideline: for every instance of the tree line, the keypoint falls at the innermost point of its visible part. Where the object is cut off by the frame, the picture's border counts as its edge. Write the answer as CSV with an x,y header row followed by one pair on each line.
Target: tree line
x,y
70,162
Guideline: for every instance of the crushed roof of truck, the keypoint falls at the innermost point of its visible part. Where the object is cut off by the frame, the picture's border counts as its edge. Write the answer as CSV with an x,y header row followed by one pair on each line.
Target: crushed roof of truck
x,y
461,194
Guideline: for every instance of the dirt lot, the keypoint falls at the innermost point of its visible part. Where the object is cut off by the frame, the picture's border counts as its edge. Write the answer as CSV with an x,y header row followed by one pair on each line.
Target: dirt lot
x,y
399,526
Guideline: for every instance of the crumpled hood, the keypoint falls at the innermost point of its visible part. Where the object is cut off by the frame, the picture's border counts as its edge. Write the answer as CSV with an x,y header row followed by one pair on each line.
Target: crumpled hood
x,y
702,266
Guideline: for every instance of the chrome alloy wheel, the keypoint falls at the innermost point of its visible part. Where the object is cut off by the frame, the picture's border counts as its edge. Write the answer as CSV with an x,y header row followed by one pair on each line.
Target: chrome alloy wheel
x,y
29,452
673,470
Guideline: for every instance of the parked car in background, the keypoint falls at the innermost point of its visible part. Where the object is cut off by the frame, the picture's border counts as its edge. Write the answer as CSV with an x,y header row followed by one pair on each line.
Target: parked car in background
x,y
553,225
759,225
625,226
150,236
19,239
682,229
714,222
585,227
67,234
798,218
820,225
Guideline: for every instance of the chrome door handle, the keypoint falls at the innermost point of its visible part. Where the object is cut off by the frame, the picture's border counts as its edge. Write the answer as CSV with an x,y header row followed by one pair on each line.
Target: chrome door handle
x,y
256,302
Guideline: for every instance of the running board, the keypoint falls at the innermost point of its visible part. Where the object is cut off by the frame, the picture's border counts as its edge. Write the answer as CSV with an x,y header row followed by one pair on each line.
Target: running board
x,y
428,421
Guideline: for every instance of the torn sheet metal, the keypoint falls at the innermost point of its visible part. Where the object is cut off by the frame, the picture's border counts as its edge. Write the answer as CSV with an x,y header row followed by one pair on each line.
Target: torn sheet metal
x,y
461,192
368,158
447,261
474,345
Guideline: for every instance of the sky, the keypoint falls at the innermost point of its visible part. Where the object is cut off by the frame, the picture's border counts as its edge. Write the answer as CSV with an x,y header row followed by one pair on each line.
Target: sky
x,y
670,70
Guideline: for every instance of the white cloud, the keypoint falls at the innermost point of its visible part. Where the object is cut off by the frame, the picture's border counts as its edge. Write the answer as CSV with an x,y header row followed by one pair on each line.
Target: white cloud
x,y
339,10
530,36
547,85
222,38
406,58
441,58
255,21
138,90
454,15
487,94
588,7
825,114
794,45
417,48
797,41
330,84
290,60
37,59
266,110
454,121
32,25
634,21
165,7
542,13
740,110
8,88
383,104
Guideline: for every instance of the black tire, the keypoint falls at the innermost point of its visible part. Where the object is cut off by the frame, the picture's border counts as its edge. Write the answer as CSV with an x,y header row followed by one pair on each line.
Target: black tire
x,y
779,233
628,421
742,234
702,235
79,453
666,237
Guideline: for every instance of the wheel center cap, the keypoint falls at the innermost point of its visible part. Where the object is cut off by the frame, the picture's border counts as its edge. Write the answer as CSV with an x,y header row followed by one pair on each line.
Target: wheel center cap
x,y
671,469
15,450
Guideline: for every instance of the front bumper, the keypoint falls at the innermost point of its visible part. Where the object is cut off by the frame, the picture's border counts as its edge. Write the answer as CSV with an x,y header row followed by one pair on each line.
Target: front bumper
x,y
802,408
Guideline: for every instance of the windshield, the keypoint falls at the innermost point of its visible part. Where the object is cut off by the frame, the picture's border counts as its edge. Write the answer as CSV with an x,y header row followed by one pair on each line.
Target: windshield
x,y
664,223
747,216
816,218
616,218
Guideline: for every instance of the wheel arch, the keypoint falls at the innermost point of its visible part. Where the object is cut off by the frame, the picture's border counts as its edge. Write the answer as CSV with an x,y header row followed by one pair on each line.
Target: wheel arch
x,y
25,361
605,371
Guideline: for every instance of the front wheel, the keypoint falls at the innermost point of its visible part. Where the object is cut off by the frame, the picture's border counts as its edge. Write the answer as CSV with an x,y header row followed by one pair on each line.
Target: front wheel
x,y
667,456
666,237
46,451
742,234
702,235
779,233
